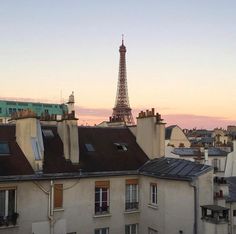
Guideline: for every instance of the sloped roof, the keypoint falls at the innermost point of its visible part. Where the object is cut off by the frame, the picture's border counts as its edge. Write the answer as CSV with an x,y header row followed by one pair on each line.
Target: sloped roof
x,y
231,181
106,156
212,151
173,168
15,163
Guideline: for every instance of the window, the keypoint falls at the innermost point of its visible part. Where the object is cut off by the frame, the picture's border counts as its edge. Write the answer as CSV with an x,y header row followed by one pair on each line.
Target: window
x,y
102,197
234,213
8,215
48,133
36,149
131,229
153,193
152,231
4,148
58,196
121,146
89,147
131,196
101,231
216,164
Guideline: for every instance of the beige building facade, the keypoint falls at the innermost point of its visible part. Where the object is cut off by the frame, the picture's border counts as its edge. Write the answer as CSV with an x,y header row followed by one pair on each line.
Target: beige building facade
x,y
97,180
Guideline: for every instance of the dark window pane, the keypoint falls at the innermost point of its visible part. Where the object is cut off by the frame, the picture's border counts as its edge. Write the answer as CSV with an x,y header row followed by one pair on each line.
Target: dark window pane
x,y
2,202
11,202
4,148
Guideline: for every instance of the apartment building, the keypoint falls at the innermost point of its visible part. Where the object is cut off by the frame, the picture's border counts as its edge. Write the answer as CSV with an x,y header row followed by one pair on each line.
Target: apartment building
x,y
66,179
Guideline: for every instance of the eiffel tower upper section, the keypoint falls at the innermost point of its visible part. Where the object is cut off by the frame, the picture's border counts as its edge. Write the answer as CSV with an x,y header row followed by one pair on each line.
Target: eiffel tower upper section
x,y
122,110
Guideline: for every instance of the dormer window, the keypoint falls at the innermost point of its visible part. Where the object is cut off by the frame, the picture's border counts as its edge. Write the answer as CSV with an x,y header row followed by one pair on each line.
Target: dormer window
x,y
121,146
36,149
89,147
4,148
48,133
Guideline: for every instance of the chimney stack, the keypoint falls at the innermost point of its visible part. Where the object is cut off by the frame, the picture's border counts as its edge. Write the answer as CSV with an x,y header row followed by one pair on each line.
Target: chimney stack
x,y
68,132
150,133
29,137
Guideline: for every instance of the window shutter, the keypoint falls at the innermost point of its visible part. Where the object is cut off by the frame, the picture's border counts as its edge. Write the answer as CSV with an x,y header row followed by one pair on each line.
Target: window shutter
x,y
102,184
132,181
58,195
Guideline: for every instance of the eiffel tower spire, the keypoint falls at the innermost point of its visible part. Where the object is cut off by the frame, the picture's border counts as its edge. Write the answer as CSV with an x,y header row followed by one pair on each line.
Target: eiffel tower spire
x,y
122,110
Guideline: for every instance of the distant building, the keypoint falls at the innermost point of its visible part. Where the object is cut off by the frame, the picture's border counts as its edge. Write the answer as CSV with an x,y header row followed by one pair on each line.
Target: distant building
x,y
175,137
7,108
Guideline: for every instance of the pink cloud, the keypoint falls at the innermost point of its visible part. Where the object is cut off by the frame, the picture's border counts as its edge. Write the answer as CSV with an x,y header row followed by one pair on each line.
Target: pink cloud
x,y
92,116
198,121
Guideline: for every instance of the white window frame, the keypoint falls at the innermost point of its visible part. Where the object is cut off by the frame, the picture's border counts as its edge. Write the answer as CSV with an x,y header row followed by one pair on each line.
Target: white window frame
x,y
153,191
101,199
7,200
100,230
130,226
130,189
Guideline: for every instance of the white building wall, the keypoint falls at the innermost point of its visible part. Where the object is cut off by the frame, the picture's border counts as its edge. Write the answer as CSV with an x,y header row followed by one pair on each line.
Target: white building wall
x,y
178,137
78,207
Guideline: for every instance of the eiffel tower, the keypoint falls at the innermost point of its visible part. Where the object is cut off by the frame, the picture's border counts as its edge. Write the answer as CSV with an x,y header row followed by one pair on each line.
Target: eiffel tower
x,y
122,110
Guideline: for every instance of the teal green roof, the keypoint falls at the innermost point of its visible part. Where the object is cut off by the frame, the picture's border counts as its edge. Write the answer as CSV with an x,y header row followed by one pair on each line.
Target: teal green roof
x,y
8,107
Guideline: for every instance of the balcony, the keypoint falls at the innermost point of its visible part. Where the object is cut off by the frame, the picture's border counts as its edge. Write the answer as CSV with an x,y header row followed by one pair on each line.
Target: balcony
x,y
9,220
131,206
101,210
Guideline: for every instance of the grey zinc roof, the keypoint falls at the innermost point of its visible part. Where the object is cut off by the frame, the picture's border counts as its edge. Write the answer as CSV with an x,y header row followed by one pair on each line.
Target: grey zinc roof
x,y
186,151
194,152
173,168
231,181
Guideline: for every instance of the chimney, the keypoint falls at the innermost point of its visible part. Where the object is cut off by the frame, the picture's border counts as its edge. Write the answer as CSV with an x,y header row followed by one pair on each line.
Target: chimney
x,y
151,133
29,138
68,131
206,156
71,103
234,145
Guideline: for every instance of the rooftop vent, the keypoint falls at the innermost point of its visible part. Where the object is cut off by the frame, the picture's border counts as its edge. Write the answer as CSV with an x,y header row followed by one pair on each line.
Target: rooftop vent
x,y
4,148
48,133
89,147
121,146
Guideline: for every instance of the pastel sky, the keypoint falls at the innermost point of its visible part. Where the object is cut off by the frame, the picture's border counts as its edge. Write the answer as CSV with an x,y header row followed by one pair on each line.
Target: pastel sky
x,y
181,56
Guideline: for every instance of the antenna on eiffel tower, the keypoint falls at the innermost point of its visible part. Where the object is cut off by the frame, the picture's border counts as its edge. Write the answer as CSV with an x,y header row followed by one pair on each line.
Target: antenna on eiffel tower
x,y
122,110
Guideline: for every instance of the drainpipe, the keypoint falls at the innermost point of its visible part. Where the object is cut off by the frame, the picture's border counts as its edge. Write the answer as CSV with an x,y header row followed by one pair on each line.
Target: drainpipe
x,y
196,197
231,219
51,206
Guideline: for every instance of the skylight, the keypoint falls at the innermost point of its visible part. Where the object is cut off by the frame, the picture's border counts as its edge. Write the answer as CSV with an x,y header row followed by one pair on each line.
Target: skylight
x,y
48,133
89,147
121,146
4,148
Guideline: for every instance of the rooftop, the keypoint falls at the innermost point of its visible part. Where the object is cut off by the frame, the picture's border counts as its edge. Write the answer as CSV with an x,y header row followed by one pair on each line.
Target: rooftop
x,y
173,168
212,151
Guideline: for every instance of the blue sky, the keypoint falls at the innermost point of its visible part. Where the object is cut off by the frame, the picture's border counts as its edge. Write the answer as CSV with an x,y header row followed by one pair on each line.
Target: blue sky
x,y
180,57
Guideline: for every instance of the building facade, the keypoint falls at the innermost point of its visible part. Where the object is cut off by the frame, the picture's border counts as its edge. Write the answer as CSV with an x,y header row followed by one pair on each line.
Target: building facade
x,y
7,108
66,179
